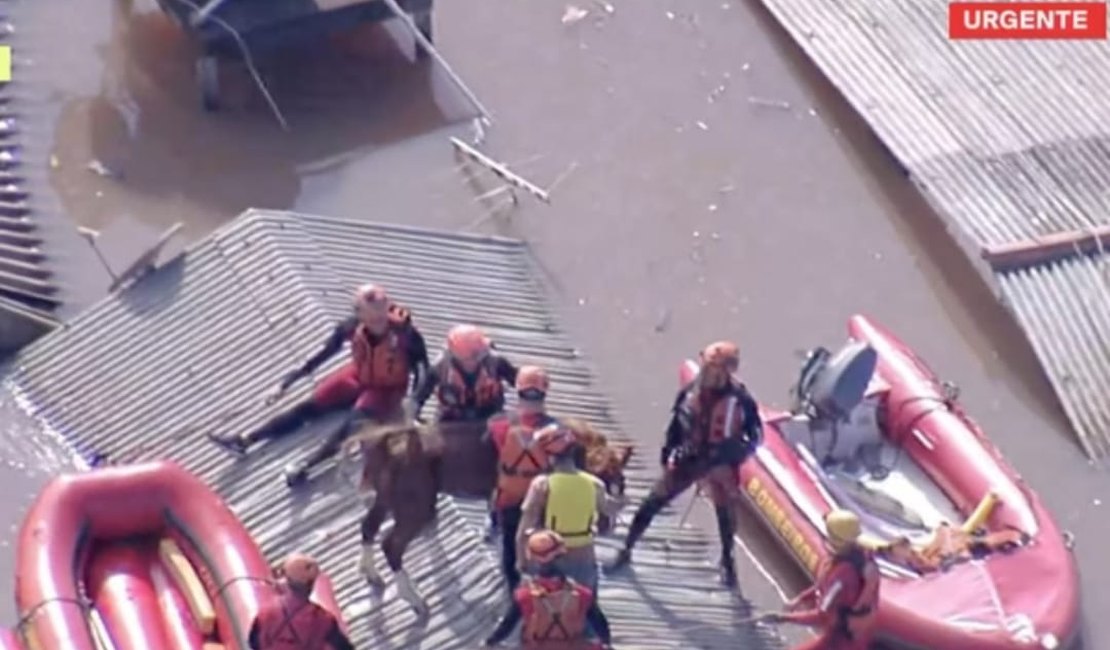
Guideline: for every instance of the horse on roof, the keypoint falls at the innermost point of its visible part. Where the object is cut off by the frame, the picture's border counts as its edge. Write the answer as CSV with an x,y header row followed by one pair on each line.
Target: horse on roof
x,y
406,466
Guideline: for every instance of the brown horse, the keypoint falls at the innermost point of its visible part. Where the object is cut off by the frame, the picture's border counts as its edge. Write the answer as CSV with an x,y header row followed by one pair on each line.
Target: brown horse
x,y
405,468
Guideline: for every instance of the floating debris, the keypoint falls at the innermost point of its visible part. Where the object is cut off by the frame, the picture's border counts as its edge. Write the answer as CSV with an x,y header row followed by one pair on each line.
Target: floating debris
x,y
574,14
712,207
702,125
670,15
727,188
716,93
780,104
98,168
606,7
664,320
581,302
54,164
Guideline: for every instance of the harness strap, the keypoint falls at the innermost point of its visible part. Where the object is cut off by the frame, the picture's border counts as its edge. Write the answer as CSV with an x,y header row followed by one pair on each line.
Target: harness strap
x,y
556,617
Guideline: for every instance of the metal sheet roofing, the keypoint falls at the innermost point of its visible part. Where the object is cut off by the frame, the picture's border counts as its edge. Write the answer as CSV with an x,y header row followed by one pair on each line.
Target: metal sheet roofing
x,y
1009,141
194,347
28,291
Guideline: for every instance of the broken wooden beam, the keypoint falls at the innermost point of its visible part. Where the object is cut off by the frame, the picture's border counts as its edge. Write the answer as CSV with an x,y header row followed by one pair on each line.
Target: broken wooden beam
x,y
1046,249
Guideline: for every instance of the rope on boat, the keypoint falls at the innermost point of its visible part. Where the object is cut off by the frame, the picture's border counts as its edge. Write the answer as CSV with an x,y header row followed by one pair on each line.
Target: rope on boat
x,y
269,582
84,603
247,59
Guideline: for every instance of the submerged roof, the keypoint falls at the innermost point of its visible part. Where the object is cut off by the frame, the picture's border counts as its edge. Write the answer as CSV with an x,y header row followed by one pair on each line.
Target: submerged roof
x,y
196,345
1009,141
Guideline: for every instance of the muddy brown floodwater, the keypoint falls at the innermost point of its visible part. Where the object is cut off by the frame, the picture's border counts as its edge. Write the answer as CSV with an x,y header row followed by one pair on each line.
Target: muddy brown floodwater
x,y
710,186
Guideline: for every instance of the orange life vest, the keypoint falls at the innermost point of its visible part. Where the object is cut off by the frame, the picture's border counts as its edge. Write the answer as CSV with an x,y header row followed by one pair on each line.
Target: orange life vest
x,y
852,619
384,365
294,623
460,400
557,619
519,460
715,417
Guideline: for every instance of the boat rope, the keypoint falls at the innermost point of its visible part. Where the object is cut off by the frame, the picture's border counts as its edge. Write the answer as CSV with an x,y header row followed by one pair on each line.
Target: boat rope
x,y
269,582
84,603
247,59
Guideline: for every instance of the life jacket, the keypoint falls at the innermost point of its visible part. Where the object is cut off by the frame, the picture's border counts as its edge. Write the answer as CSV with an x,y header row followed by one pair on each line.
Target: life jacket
x,y
459,399
571,507
384,365
294,623
557,619
950,546
849,618
714,422
519,459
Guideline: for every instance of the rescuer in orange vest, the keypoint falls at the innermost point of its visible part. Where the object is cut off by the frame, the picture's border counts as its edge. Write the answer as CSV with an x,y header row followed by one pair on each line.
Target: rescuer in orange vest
x,y
467,379
555,609
567,501
520,458
843,602
386,348
715,426
294,622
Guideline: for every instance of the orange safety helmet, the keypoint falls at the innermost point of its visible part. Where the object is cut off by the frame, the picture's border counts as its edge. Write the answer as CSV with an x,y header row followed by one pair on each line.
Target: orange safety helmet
x,y
532,378
724,354
467,343
300,569
370,294
545,546
556,440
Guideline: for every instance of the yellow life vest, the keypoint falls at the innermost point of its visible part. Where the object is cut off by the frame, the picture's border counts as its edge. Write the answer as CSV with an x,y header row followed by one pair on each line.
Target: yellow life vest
x,y
571,507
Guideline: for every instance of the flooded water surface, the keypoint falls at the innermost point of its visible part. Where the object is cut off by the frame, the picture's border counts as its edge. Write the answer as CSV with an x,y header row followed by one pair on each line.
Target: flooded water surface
x,y
705,186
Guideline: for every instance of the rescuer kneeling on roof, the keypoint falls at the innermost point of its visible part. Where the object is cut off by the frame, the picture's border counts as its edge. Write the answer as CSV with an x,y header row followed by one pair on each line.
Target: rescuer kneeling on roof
x,y
842,604
294,622
555,609
568,502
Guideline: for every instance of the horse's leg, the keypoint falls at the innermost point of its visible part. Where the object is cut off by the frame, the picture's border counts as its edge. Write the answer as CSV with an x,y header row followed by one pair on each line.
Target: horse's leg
x,y
371,524
406,527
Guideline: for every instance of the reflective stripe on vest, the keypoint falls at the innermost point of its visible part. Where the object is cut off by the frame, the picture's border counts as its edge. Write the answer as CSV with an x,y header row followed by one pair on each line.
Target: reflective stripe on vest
x,y
571,507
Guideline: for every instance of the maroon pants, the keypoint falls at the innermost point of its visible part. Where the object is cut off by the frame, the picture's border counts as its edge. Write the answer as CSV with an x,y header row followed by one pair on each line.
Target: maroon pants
x,y
341,390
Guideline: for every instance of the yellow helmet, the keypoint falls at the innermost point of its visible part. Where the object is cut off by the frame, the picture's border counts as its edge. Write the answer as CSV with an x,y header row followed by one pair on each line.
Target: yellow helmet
x,y
843,527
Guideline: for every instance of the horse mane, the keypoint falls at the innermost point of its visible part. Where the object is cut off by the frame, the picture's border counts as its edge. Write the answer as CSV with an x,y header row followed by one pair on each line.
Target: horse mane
x,y
602,458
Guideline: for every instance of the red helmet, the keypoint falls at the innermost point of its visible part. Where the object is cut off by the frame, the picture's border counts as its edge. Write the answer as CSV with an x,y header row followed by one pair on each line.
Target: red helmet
x,y
556,440
724,354
370,294
545,546
532,378
467,342
300,569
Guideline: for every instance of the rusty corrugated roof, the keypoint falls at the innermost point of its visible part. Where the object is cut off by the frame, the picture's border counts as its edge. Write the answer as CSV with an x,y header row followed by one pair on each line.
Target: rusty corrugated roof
x,y
195,346
1008,140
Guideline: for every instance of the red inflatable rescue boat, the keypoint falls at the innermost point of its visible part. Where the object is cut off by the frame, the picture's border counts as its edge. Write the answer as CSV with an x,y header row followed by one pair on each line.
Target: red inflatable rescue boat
x,y
971,559
138,557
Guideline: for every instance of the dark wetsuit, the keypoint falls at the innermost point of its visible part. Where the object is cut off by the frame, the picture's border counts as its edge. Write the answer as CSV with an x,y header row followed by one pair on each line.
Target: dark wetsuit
x,y
338,391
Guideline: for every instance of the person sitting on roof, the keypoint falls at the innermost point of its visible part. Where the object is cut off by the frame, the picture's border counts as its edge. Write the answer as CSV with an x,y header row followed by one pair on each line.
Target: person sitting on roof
x,y
386,348
294,622
555,609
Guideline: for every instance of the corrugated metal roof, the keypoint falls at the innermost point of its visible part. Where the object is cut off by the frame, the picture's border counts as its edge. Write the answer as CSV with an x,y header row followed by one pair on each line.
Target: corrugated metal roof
x,y
1008,140
1075,349
28,291
193,347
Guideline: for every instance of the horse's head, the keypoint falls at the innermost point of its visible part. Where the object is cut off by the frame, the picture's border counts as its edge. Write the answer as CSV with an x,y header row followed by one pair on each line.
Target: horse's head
x,y
599,457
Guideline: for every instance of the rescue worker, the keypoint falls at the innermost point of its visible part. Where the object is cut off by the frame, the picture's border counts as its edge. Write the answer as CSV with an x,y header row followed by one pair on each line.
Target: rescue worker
x,y
467,378
843,602
468,382
294,622
714,427
555,609
519,458
567,502
386,348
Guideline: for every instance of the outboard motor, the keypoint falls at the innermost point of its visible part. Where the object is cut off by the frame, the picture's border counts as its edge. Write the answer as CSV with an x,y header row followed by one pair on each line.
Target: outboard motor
x,y
831,385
